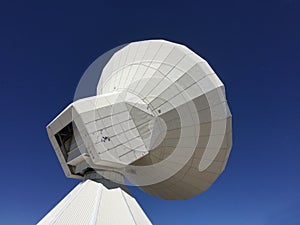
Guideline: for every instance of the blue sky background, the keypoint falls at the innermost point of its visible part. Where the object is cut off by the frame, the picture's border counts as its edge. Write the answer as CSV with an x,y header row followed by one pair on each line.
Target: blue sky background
x,y
45,47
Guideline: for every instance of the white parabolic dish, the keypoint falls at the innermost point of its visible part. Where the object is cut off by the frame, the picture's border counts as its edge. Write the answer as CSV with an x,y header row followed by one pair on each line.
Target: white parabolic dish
x,y
159,118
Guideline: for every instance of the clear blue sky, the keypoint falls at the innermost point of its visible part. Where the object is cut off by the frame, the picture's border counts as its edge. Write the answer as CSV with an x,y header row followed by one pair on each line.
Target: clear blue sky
x,y
254,46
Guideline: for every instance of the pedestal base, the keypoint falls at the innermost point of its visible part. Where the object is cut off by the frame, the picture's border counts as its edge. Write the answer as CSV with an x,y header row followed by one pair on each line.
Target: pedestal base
x,y
92,203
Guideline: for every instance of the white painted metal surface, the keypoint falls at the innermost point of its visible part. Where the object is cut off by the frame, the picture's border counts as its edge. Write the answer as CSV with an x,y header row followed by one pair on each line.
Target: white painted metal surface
x,y
90,203
159,118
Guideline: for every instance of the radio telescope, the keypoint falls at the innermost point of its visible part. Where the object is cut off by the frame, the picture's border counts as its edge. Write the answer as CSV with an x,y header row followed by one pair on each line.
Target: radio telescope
x,y
157,119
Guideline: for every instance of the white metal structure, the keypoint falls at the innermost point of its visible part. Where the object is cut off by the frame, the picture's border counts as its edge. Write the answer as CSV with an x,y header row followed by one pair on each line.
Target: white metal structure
x,y
159,117
91,203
